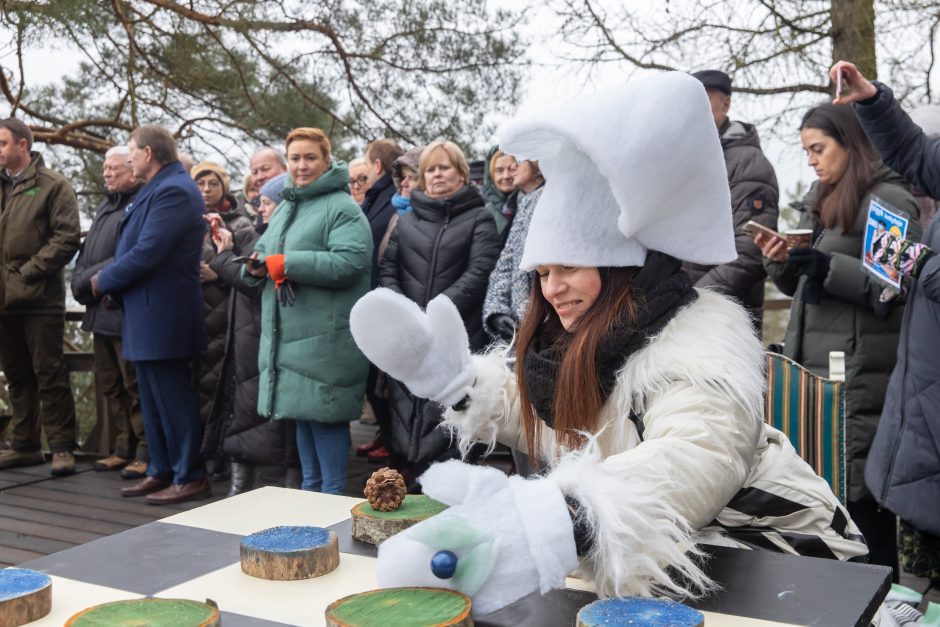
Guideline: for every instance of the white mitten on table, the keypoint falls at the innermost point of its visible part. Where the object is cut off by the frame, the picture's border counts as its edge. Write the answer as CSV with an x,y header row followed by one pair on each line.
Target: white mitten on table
x,y
511,536
428,352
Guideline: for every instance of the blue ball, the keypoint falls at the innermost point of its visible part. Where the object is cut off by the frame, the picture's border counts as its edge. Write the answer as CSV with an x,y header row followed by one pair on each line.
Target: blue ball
x,y
444,564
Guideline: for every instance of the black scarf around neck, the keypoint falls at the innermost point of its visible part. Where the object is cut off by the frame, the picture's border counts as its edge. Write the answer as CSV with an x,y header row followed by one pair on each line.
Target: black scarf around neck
x,y
661,288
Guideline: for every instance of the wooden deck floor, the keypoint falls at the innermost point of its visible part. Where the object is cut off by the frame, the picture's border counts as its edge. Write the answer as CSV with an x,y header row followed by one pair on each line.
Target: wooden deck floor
x,y
41,514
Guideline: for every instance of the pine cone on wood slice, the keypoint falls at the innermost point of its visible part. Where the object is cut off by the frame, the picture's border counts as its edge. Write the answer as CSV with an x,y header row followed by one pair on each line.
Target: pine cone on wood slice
x,y
385,490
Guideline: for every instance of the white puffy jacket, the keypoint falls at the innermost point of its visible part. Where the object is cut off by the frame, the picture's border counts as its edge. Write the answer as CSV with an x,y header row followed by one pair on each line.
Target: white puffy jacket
x,y
706,468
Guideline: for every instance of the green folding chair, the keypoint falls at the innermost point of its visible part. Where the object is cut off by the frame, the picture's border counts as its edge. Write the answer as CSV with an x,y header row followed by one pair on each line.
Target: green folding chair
x,y
810,410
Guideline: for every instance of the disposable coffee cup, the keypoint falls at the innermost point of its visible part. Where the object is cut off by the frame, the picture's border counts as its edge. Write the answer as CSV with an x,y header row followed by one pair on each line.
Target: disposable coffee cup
x,y
799,238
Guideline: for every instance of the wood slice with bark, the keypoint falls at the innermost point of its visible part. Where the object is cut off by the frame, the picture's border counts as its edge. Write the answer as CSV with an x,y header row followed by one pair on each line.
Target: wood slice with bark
x,y
416,607
149,612
638,612
375,527
288,553
25,596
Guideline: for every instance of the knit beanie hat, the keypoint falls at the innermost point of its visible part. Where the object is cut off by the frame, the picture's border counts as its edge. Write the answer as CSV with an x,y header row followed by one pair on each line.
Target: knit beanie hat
x,y
633,168
274,188
214,168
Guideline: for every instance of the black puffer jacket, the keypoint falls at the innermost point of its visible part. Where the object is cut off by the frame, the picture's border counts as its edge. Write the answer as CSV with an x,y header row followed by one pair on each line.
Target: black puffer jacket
x,y
215,399
442,247
754,196
445,247
97,251
249,437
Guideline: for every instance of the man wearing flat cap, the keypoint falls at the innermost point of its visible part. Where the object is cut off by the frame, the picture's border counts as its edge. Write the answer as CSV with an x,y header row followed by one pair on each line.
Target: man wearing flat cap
x,y
754,196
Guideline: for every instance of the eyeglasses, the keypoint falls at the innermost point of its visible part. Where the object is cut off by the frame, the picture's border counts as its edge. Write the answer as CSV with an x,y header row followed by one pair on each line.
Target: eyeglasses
x,y
359,181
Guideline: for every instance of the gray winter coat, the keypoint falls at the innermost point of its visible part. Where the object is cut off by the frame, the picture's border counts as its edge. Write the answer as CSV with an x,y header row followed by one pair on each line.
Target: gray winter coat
x,y
754,196
509,287
845,320
903,470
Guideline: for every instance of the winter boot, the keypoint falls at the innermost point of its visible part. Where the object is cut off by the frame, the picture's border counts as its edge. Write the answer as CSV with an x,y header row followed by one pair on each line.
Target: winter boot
x,y
243,478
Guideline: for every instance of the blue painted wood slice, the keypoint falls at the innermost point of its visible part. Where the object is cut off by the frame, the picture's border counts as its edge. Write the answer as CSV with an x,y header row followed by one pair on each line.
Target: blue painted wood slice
x,y
25,596
638,612
290,552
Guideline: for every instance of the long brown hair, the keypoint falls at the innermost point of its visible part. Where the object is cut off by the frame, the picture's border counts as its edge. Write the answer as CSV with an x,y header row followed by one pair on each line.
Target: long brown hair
x,y
577,400
838,204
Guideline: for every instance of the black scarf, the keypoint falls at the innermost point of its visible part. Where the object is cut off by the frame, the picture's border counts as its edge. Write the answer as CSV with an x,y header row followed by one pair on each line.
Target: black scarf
x,y
661,288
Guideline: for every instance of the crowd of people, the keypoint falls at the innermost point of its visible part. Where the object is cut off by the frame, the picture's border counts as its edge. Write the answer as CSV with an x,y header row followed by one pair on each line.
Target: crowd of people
x,y
592,304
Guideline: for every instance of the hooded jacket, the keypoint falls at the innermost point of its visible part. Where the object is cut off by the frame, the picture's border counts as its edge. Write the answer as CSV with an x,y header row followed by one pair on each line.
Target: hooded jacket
x,y
96,252
754,196
39,234
706,468
845,320
310,367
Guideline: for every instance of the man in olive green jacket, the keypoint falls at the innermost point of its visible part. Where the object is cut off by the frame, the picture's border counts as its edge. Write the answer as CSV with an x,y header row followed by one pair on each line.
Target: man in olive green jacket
x,y
39,234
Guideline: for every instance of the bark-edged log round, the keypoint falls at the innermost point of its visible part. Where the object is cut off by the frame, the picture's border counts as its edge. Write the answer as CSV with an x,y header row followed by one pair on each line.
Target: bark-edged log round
x,y
375,527
417,607
25,596
288,553
149,611
641,611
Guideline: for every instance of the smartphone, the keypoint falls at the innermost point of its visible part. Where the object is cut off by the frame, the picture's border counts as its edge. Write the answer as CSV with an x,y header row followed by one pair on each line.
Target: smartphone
x,y
755,227
254,263
839,83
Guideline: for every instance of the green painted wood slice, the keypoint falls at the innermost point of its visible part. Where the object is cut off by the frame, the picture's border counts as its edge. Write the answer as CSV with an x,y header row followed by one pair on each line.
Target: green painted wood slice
x,y
415,607
148,613
372,526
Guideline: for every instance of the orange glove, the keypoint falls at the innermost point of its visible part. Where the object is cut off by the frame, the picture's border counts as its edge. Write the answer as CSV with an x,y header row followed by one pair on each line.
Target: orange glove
x,y
275,264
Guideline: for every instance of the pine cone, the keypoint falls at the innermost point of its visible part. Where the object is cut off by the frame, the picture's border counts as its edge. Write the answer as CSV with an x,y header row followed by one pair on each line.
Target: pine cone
x,y
385,490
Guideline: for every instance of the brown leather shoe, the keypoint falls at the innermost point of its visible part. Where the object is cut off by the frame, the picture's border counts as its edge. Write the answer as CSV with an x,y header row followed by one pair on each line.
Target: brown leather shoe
x,y
145,486
137,469
199,489
112,462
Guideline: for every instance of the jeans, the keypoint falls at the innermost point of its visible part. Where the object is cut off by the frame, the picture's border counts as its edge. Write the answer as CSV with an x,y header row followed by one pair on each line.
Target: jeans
x,y
324,455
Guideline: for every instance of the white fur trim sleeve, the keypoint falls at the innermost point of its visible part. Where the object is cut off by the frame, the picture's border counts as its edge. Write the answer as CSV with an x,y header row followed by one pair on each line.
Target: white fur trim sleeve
x,y
493,411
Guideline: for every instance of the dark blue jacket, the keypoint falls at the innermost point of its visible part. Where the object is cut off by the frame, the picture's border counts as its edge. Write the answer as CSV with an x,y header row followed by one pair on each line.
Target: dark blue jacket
x,y
377,205
902,144
903,468
156,269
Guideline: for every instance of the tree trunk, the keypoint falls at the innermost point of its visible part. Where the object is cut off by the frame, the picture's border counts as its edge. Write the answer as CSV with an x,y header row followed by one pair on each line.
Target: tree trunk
x,y
853,34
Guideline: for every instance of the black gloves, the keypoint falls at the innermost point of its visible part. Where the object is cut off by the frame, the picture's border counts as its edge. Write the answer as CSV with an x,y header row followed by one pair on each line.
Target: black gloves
x,y
811,262
501,326
284,292
815,265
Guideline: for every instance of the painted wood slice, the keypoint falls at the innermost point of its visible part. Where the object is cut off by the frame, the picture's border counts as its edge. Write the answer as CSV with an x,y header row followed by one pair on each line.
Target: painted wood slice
x,y
25,596
415,607
374,527
638,612
148,613
286,553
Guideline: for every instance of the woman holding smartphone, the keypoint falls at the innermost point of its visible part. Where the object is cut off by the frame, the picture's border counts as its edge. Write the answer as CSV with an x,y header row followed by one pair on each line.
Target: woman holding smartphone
x,y
837,304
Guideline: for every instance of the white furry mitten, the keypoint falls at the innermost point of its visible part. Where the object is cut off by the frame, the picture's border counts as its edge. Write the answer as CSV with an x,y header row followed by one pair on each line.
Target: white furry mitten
x,y
427,351
501,538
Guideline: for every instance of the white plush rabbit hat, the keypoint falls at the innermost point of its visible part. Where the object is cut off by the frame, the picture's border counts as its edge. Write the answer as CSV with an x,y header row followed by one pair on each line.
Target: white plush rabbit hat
x,y
635,167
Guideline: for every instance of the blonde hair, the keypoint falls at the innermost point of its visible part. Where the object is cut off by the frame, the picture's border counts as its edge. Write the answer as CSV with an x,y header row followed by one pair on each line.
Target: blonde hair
x,y
314,135
454,154
496,157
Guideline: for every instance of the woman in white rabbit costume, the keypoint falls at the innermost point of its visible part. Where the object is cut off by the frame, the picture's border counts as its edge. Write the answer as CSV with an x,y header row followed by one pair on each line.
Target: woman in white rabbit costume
x,y
641,395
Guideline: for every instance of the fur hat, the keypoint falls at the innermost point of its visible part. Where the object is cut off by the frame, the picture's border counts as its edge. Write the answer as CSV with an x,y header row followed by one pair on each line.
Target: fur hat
x,y
214,168
628,169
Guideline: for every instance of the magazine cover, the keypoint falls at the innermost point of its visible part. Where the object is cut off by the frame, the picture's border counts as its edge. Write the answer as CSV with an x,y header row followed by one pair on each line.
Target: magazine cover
x,y
882,219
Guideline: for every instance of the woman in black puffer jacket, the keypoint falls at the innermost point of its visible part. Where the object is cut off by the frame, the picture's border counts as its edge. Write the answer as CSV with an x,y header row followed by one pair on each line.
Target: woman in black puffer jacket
x,y
447,245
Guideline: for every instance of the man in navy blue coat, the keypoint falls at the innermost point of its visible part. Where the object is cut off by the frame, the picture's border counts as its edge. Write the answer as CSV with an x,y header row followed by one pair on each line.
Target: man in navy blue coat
x,y
155,274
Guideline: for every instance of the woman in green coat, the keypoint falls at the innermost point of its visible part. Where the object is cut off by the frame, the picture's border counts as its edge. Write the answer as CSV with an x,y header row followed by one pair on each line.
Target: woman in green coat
x,y
837,304
316,256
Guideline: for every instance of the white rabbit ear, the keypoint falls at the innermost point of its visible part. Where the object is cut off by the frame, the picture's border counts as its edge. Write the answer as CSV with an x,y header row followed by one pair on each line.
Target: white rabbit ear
x,y
454,482
387,328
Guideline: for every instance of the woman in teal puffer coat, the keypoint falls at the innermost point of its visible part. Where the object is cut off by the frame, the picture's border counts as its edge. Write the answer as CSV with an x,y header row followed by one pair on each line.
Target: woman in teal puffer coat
x,y
317,256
